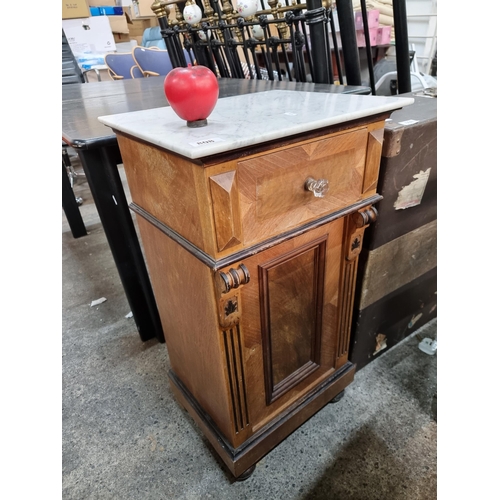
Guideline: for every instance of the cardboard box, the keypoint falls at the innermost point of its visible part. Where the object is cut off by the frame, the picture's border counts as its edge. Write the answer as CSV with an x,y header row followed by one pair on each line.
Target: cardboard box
x,y
373,19
384,35
121,37
139,25
89,35
107,10
360,37
118,24
74,9
143,9
134,12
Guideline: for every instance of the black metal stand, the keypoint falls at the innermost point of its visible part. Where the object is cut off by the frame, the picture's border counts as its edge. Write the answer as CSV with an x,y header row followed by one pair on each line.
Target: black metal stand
x,y
368,45
402,50
349,44
320,57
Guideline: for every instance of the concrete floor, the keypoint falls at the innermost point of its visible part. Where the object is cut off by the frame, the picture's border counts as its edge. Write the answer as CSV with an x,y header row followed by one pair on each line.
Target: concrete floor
x,y
125,437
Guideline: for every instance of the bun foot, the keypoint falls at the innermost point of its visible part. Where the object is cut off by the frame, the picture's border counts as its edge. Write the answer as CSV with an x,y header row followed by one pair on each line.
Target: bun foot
x,y
246,474
338,397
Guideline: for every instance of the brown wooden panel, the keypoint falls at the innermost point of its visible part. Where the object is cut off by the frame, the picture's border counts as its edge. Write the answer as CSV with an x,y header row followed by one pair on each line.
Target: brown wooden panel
x,y
236,377
346,306
170,188
414,130
291,308
374,150
260,412
240,459
355,227
255,276
277,195
188,313
226,210
398,262
272,193
392,318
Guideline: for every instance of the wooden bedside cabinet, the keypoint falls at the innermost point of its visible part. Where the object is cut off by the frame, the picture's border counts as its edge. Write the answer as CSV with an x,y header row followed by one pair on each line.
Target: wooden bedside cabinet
x,y
252,233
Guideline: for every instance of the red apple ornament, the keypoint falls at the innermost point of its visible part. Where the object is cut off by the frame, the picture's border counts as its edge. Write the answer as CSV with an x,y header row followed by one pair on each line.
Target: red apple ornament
x,y
192,93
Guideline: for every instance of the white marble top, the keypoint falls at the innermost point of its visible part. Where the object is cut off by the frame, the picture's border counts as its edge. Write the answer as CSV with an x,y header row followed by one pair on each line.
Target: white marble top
x,y
244,120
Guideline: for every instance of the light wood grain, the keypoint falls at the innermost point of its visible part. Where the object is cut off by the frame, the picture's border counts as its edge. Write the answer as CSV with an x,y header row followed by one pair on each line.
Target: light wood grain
x,y
260,411
272,193
170,188
259,345
374,149
226,210
184,290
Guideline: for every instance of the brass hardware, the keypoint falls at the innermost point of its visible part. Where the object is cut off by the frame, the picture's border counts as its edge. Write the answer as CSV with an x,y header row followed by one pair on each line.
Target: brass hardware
x,y
228,15
234,278
318,187
160,10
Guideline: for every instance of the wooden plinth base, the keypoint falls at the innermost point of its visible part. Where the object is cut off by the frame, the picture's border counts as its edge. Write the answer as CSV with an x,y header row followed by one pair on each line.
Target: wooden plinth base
x,y
241,459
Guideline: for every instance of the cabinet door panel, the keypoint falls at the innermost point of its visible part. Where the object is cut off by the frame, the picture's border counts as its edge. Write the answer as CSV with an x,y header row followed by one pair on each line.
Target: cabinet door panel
x,y
289,317
291,290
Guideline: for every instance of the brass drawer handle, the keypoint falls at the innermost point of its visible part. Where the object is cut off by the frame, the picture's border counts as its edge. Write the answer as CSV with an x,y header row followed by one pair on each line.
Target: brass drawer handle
x,y
318,187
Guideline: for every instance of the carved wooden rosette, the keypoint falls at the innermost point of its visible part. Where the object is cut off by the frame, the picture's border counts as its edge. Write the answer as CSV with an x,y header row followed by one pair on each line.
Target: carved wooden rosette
x,y
355,227
227,284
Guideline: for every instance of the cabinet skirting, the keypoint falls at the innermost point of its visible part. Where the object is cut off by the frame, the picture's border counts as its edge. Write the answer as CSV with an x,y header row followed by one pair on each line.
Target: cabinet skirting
x,y
238,460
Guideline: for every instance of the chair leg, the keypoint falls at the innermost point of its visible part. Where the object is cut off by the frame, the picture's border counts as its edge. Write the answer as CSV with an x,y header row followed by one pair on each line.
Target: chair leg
x,y
69,168
70,206
72,173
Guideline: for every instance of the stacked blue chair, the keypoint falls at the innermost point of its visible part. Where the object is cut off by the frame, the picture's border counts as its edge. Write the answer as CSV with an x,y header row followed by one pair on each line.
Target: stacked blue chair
x,y
152,61
152,38
122,66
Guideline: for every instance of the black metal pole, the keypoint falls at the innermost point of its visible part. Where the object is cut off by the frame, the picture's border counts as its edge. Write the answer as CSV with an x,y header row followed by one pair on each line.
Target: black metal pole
x,y
402,50
179,48
336,50
315,18
166,32
368,45
349,44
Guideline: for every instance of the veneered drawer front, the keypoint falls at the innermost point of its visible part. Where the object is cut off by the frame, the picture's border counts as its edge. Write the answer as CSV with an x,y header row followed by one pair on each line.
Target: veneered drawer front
x,y
272,193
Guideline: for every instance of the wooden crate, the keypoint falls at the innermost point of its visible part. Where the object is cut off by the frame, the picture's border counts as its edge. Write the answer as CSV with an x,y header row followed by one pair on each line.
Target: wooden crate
x,y
394,301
